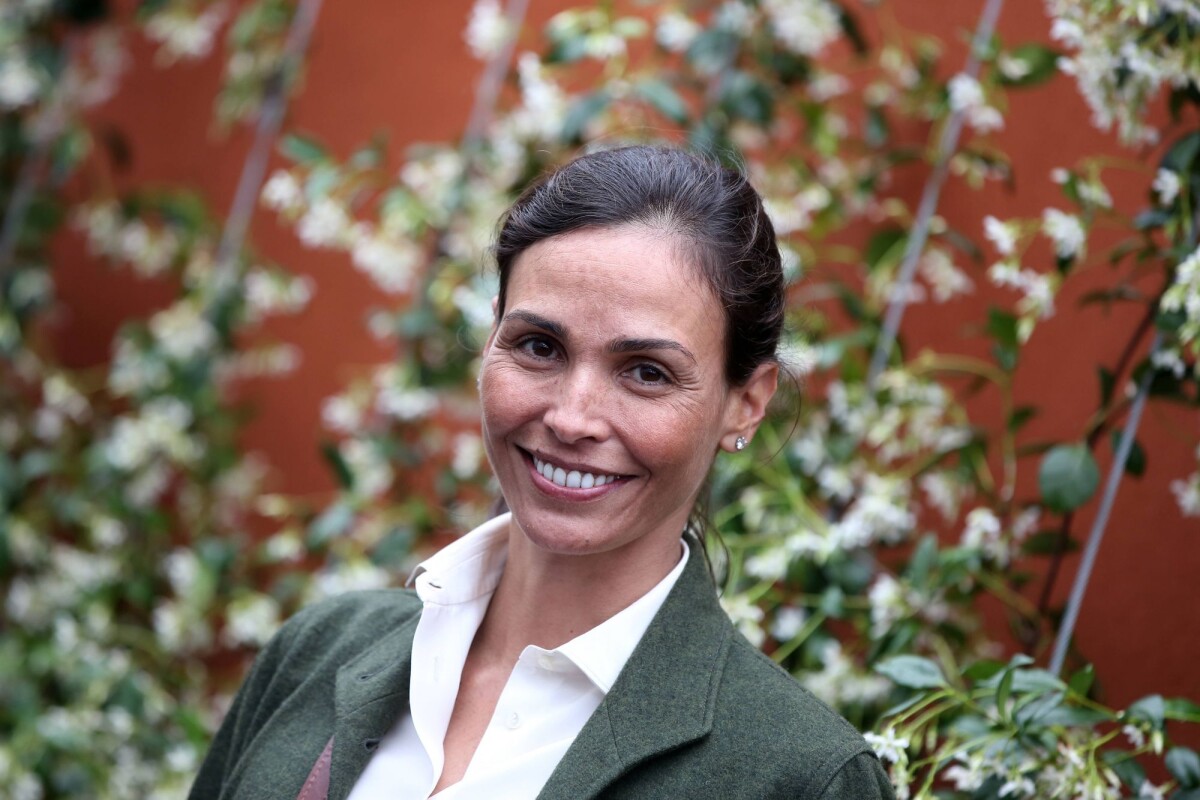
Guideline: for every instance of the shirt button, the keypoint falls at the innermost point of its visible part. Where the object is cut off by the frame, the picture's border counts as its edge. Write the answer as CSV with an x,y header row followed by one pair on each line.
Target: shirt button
x,y
512,721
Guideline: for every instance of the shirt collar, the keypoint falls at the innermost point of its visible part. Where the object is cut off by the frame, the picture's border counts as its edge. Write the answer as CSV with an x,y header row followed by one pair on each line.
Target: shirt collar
x,y
467,568
601,653
470,567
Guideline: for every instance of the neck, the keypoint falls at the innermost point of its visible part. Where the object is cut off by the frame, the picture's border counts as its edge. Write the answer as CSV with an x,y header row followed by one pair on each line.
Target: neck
x,y
547,599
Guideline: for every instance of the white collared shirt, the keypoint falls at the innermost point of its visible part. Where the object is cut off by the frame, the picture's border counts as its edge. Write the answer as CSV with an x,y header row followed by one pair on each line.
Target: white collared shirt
x,y
547,700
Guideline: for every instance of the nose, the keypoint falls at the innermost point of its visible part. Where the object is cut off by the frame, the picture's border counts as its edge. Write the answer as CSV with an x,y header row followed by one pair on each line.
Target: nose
x,y
576,409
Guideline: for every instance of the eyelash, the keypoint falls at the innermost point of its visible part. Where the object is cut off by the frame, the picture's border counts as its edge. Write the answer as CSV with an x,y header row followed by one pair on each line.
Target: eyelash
x,y
523,345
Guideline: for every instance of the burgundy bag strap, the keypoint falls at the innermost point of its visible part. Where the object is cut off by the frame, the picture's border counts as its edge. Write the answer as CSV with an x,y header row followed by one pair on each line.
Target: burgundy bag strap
x,y
317,785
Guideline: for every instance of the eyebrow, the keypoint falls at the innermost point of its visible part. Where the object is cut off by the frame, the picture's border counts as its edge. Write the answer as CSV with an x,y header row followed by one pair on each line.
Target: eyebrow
x,y
642,345
538,322
619,346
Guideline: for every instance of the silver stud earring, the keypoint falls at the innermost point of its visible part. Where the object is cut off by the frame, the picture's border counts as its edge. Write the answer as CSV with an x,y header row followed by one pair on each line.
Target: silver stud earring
x,y
739,443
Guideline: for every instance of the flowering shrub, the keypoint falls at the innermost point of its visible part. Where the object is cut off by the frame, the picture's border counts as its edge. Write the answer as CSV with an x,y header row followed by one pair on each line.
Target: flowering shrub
x,y
123,551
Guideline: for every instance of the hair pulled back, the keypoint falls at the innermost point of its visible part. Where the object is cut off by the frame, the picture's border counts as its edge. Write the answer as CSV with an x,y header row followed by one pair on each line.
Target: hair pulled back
x,y
713,212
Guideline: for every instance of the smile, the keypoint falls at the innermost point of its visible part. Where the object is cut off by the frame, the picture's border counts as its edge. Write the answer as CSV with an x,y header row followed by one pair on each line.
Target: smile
x,y
570,479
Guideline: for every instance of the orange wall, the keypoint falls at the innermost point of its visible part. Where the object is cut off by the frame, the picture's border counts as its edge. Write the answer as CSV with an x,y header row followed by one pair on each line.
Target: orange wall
x,y
380,65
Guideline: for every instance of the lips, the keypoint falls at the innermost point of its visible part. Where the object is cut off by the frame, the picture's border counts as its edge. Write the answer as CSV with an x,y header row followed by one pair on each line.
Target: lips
x,y
571,478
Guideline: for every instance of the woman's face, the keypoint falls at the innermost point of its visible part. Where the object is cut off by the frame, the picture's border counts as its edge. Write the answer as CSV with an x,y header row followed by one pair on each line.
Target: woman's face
x,y
604,399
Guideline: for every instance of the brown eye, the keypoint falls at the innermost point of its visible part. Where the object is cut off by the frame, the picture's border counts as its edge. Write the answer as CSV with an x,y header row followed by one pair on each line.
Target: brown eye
x,y
538,347
648,373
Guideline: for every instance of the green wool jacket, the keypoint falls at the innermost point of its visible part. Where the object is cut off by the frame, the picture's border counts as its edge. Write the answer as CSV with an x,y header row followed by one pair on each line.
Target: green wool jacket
x,y
697,712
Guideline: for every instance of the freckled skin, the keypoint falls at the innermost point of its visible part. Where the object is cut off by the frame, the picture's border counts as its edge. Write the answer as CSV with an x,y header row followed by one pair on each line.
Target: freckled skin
x,y
656,416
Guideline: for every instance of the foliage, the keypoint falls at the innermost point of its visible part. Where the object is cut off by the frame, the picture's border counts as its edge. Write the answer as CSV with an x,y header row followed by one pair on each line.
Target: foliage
x,y
125,500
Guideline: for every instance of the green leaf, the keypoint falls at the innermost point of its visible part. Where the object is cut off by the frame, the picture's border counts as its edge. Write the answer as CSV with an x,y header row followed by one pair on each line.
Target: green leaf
x,y
1081,682
341,471
983,670
1002,326
1150,709
1128,770
885,248
1046,543
1184,764
913,672
746,97
1068,477
1182,709
664,98
1021,415
1135,465
1039,63
303,149
1108,382
712,50
330,523
1036,711
1182,153
923,560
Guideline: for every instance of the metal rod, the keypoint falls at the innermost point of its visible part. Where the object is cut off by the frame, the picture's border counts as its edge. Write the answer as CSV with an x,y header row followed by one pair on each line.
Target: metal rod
x,y
1096,536
270,120
947,144
487,91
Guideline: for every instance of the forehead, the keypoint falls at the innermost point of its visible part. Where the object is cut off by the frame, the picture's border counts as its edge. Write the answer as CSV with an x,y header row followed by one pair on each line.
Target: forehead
x,y
629,281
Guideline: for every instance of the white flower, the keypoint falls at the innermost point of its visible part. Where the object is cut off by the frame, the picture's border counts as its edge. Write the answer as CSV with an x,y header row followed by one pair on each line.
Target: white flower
x,y
769,564
1187,494
1184,295
342,413
1148,791
468,452
389,263
372,473
888,746
1135,735
488,30
1166,186
735,16
1065,230
251,620
966,98
788,622
282,191
803,26
939,271
325,224
19,84
943,493
888,605
184,35
543,103
1001,235
1170,360
182,332
745,616
676,31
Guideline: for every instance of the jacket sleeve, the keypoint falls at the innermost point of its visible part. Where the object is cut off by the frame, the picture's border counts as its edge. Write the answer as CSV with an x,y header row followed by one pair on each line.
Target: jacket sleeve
x,y
860,778
242,720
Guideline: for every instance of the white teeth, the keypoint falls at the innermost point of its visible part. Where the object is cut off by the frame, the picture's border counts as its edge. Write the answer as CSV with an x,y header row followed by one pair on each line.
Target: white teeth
x,y
573,479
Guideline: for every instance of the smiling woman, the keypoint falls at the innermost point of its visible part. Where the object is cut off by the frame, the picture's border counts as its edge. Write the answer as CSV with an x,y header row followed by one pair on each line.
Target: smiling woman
x,y
573,647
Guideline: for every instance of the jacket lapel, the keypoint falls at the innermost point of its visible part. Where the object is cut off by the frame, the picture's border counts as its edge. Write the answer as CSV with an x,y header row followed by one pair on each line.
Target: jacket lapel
x,y
665,695
371,694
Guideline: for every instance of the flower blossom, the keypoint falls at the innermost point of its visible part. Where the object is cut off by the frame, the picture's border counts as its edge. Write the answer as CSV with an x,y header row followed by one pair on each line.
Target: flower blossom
x,y
1065,230
1166,186
488,30
803,26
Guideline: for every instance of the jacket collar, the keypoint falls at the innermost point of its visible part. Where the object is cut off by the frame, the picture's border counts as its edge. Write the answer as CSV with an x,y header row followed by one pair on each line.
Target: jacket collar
x,y
665,696
371,693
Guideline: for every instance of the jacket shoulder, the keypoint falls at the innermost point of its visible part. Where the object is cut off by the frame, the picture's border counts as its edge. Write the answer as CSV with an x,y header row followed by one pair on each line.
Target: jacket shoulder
x,y
785,722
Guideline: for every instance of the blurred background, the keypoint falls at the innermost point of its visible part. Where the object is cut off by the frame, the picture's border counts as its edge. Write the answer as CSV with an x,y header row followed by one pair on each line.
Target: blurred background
x,y
245,278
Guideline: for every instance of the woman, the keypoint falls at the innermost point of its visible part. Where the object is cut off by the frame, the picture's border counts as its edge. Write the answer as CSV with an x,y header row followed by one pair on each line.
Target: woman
x,y
574,647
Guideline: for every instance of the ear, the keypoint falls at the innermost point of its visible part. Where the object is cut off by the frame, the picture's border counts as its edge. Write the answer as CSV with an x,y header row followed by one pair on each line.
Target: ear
x,y
747,405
